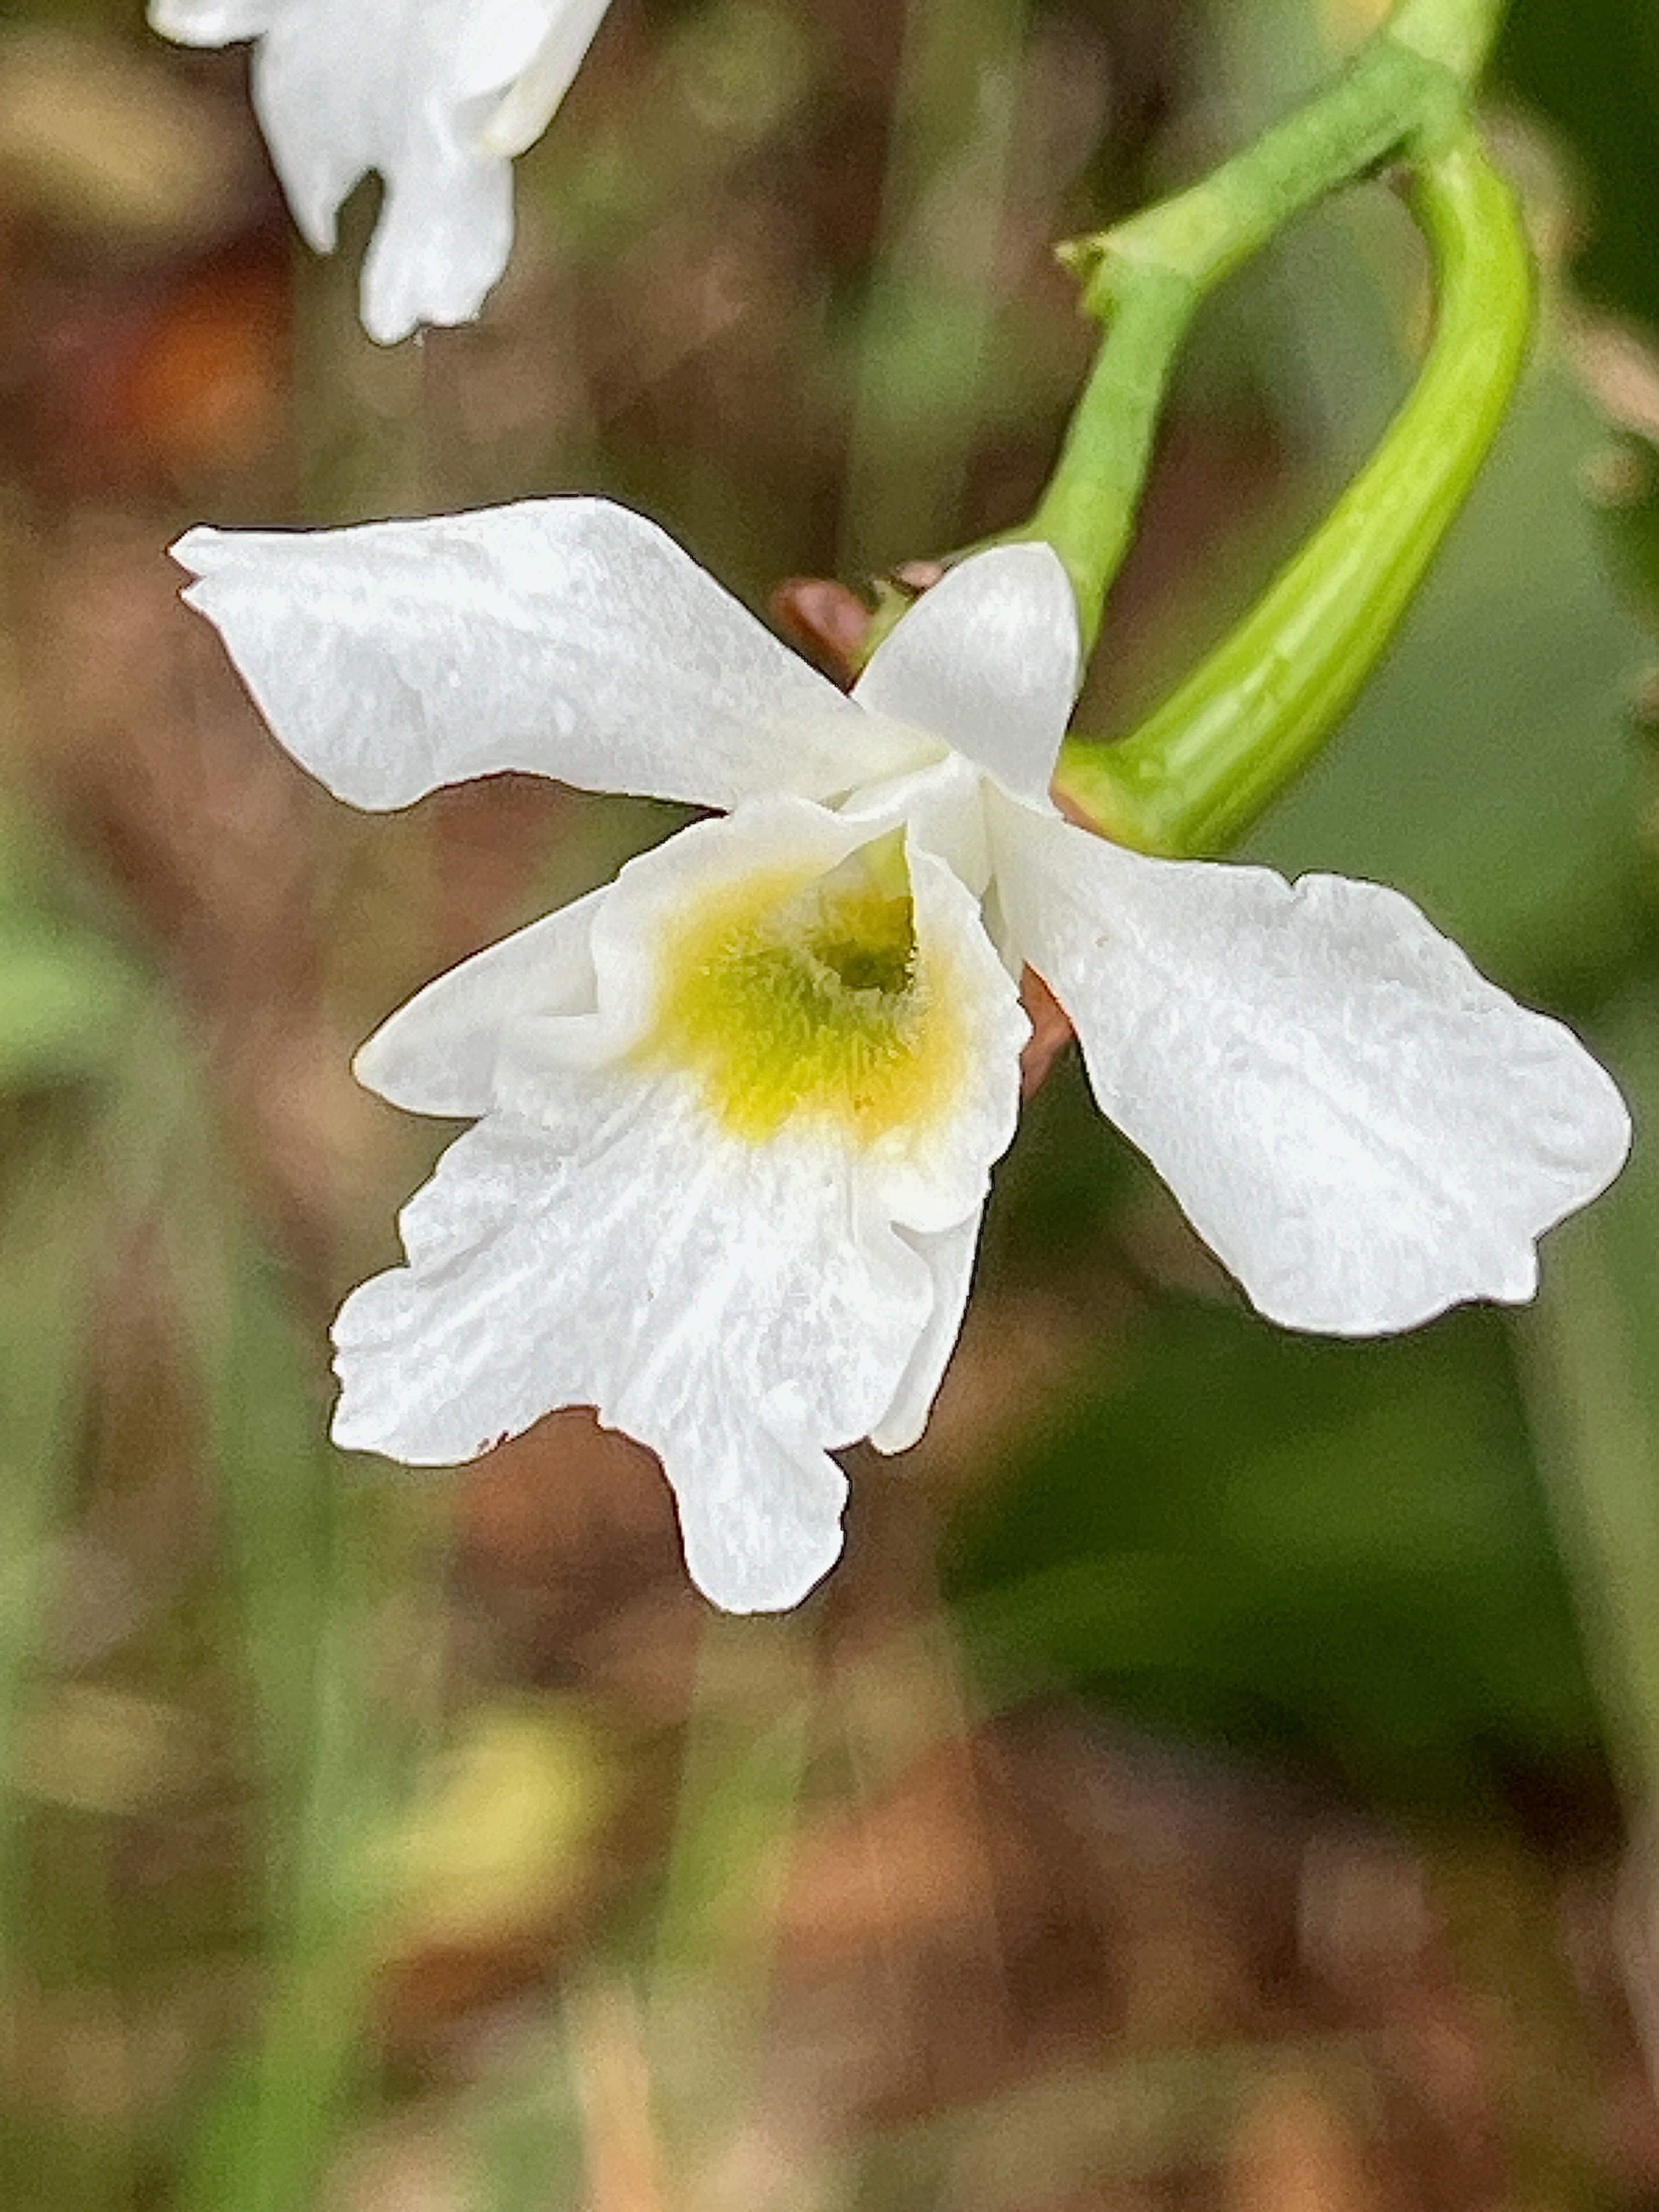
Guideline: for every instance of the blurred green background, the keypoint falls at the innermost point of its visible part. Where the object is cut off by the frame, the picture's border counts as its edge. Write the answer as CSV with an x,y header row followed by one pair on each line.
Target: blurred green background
x,y
1222,1770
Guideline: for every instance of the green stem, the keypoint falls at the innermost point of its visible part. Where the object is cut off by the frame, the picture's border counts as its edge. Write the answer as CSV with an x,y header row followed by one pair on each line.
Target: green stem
x,y
1087,512
1145,278
1459,34
1257,710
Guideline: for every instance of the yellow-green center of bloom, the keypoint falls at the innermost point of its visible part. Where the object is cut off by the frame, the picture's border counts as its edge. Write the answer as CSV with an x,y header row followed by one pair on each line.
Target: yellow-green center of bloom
x,y
786,995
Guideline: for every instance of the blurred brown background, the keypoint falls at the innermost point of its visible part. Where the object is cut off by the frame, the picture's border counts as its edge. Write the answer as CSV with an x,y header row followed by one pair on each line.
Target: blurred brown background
x,y
1219,1773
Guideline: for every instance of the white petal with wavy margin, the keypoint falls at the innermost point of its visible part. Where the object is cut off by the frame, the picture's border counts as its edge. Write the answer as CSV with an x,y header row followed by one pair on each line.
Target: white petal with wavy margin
x,y
742,1305
730,1305
565,637
1360,1126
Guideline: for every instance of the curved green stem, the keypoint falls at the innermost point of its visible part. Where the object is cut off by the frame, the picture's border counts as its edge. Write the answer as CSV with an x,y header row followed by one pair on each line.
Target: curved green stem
x,y
1404,91
1459,34
1251,715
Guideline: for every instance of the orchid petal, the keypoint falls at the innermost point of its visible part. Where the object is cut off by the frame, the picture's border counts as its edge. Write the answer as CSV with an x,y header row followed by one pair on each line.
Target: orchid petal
x,y
987,661
741,1298
442,241
1362,1128
394,85
950,1256
436,95
733,1306
329,105
211,22
473,1041
932,1177
533,97
567,637
439,1053
927,1175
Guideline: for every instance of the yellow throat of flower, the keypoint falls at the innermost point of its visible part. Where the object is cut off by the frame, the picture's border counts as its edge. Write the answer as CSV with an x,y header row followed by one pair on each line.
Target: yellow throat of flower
x,y
787,995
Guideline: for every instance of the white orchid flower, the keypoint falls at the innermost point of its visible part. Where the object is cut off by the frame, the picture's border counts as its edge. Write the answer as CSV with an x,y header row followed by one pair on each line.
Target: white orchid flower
x,y
736,1111
437,96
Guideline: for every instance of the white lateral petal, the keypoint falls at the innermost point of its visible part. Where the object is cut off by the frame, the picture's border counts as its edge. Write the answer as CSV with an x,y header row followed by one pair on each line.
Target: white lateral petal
x,y
495,42
566,637
211,22
531,100
443,239
1361,1127
733,1306
334,87
988,661
949,1257
439,1053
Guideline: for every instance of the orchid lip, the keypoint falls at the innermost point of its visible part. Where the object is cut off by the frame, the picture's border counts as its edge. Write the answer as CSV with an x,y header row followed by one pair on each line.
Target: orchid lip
x,y
792,996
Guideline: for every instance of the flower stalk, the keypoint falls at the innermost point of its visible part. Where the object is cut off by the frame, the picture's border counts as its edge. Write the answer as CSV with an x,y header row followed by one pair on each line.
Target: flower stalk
x,y
1145,278
1223,745
1459,34
1216,753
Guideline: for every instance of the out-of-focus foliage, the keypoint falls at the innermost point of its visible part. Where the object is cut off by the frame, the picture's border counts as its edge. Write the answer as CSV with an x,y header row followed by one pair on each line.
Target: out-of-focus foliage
x,y
1594,73
1334,1551
68,997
